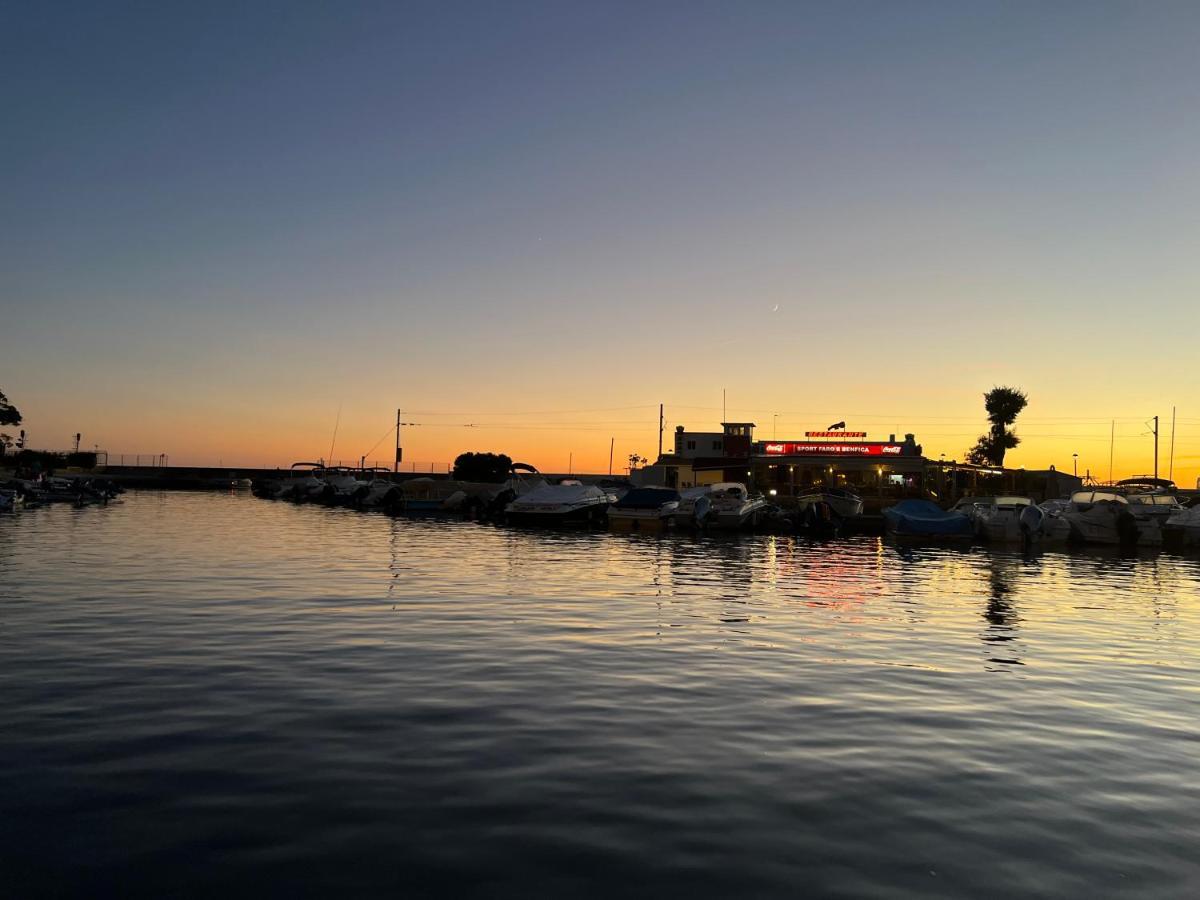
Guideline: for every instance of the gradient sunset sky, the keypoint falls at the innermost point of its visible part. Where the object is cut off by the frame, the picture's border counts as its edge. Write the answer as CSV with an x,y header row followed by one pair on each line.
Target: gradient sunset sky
x,y
224,228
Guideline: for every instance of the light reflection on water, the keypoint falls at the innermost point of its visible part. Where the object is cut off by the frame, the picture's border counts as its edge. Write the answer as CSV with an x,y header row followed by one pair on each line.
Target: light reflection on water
x,y
209,693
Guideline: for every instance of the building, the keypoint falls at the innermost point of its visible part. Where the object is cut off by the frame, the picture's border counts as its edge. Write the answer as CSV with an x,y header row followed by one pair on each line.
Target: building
x,y
703,457
878,471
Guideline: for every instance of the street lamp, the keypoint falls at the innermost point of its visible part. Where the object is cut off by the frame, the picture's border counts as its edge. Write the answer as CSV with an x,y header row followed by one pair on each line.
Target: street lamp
x,y
1075,457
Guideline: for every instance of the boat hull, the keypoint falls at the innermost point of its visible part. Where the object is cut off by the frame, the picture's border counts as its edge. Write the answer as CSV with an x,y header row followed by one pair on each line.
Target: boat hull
x,y
550,517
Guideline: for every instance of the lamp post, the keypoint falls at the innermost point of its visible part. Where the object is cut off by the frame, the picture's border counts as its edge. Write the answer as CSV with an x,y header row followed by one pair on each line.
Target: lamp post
x,y
1075,459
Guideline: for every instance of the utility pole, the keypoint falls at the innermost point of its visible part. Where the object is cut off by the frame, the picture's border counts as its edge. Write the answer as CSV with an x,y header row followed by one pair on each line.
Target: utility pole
x,y
660,431
396,464
612,442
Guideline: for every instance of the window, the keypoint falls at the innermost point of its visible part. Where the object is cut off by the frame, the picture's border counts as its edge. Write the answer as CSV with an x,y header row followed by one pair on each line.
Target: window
x,y
716,445
691,445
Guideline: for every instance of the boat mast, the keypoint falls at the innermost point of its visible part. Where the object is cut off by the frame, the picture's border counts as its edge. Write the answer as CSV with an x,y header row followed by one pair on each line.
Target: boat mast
x,y
1171,464
1112,439
1156,446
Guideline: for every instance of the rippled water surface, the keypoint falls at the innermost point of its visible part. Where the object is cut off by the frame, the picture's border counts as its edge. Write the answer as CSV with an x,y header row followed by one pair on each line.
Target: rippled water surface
x,y
206,693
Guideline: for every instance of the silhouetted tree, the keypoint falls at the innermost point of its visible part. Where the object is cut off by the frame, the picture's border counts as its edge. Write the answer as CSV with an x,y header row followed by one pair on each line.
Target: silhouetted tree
x,y
9,414
491,468
1003,405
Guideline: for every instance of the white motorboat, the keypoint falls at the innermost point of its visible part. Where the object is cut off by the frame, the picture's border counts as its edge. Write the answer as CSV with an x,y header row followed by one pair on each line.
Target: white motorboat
x,y
380,494
846,504
1105,517
569,503
732,506
1000,520
971,507
347,488
1157,505
694,506
299,483
644,509
1043,524
1183,527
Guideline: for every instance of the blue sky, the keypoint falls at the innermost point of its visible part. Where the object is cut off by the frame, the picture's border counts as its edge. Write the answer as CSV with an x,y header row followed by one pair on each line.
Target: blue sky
x,y
447,201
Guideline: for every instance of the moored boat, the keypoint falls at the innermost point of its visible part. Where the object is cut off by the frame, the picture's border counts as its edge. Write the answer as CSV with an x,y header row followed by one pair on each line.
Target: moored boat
x,y
1043,524
925,519
346,488
569,503
1106,517
1182,529
732,506
845,503
1000,520
644,509
694,506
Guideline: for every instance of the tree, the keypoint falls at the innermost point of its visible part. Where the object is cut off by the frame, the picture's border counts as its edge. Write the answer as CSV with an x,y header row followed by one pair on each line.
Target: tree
x,y
9,414
491,468
1003,405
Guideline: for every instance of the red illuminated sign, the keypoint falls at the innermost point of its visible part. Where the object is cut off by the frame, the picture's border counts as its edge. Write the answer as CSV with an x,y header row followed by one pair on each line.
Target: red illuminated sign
x,y
831,434
805,448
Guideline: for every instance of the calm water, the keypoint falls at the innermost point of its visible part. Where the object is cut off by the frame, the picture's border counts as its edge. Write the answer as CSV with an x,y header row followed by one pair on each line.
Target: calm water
x,y
209,694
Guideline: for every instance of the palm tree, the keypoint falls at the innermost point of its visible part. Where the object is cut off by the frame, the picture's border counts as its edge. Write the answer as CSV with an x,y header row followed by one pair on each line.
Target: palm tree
x,y
1003,405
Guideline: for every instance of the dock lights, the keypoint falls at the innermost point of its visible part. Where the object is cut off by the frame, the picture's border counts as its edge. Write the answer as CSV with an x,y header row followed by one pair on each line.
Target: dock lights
x,y
773,492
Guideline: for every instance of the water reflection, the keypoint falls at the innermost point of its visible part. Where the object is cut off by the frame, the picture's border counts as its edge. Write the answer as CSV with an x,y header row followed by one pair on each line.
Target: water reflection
x,y
1002,632
376,705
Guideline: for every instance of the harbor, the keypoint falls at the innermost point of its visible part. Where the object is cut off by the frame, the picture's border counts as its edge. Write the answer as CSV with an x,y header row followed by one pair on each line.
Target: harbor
x,y
243,686
589,450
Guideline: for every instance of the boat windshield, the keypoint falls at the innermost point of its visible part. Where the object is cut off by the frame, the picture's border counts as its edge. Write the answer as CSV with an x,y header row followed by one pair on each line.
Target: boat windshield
x,y
1154,499
1097,497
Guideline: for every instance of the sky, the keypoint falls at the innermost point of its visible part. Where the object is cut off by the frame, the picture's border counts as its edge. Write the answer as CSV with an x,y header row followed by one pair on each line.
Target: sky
x,y
247,234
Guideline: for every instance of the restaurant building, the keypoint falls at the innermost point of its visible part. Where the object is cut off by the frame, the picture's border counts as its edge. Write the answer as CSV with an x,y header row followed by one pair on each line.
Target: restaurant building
x,y
881,470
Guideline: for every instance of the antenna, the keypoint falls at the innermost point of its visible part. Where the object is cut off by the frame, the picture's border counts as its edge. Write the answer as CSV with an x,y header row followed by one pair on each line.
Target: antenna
x,y
723,415
333,440
660,431
612,442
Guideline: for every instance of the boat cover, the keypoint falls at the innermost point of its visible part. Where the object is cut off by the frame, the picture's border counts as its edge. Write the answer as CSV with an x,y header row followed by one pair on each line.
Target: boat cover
x,y
1185,518
647,498
924,517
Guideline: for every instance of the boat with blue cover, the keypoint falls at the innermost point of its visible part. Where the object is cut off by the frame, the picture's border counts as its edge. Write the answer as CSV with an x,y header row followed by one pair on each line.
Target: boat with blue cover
x,y
922,518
